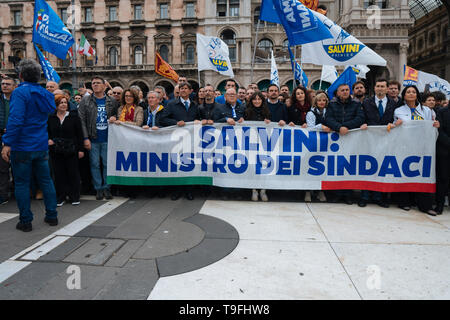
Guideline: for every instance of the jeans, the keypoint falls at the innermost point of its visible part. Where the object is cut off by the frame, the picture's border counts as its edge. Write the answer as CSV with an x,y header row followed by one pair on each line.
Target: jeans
x,y
99,151
23,164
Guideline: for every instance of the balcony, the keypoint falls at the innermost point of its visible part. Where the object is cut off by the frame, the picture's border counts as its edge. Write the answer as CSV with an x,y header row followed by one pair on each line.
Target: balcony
x,y
13,30
163,23
87,26
112,25
189,22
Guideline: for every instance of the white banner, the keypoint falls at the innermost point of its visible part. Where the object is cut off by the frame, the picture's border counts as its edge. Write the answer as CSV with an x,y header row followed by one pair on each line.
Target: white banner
x,y
253,155
343,50
213,54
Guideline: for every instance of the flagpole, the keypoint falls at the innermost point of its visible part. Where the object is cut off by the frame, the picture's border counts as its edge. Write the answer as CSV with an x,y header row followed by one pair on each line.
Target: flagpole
x,y
320,84
74,50
199,82
254,51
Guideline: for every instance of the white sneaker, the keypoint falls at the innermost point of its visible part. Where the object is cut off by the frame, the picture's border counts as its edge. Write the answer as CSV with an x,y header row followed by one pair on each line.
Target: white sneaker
x,y
308,196
60,204
322,197
254,195
75,203
263,195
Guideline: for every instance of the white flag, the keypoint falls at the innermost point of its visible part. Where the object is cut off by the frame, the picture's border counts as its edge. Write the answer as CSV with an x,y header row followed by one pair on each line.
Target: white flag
x,y
344,49
213,54
433,82
360,70
329,74
274,72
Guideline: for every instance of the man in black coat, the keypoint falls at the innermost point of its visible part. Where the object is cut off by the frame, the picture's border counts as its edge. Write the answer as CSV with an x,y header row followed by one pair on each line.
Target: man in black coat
x,y
343,114
206,109
379,110
178,112
443,158
232,111
278,110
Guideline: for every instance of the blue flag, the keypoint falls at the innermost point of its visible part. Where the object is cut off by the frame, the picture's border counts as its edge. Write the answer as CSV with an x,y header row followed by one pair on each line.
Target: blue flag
x,y
300,23
268,12
49,31
346,77
300,75
49,72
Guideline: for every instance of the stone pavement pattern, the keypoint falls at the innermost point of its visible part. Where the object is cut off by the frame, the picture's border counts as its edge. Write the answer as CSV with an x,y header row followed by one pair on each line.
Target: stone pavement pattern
x,y
210,249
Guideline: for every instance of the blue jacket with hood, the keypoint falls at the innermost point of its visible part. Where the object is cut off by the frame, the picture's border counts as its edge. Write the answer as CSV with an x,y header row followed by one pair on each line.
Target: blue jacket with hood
x,y
30,106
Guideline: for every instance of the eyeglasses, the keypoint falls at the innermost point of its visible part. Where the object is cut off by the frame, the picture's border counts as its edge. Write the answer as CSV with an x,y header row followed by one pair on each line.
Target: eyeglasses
x,y
116,92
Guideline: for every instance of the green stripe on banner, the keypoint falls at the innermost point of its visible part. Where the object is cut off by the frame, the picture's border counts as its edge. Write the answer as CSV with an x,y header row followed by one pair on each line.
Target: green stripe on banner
x,y
170,181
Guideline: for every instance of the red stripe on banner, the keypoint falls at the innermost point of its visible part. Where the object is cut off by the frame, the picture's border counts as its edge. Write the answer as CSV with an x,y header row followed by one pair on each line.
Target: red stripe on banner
x,y
379,186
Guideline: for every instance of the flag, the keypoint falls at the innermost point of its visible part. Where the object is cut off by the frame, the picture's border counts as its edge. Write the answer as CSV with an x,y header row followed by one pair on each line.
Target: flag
x,y
346,77
163,68
268,14
426,81
274,72
49,31
300,23
299,74
342,49
213,54
85,48
360,70
329,74
49,72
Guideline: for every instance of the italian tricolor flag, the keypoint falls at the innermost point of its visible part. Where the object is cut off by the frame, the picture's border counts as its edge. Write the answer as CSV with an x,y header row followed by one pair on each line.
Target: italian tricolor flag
x,y
85,48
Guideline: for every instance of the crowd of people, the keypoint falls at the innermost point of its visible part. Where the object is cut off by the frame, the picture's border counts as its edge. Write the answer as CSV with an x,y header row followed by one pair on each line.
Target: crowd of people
x,y
73,131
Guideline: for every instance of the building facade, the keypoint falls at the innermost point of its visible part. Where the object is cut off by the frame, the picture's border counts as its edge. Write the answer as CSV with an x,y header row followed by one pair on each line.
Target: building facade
x,y
127,33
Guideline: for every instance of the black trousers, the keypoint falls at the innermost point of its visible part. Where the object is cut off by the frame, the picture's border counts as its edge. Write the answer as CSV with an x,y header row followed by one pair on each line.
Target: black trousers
x,y
4,179
423,200
442,178
85,173
67,177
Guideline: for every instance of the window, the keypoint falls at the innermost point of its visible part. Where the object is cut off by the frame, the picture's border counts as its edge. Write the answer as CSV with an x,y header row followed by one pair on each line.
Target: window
x,y
88,14
234,8
190,54
138,12
263,49
190,10
380,3
113,56
17,18
63,14
112,13
420,45
138,53
221,8
164,11
432,38
164,52
229,38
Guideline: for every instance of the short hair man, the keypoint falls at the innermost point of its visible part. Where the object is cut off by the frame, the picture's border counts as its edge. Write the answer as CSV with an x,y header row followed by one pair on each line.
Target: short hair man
x,y
51,86
439,98
206,109
117,93
285,89
153,114
232,111
241,94
378,110
7,87
162,95
394,90
176,92
278,110
359,91
230,83
94,111
344,114
26,143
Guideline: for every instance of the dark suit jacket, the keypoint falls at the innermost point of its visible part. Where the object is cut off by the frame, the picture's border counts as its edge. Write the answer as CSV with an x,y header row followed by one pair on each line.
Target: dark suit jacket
x,y
224,111
443,141
373,116
207,113
176,111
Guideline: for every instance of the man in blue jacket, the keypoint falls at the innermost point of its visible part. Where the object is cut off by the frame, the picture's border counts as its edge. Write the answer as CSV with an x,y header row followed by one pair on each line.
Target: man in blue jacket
x,y
26,143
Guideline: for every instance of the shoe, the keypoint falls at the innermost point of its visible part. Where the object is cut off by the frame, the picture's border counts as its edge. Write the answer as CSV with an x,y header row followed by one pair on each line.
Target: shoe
x,y
108,195
431,213
322,197
75,203
362,203
189,196
60,204
25,227
3,201
382,204
307,196
255,195
39,195
99,195
263,195
51,222
175,196
406,208
439,208
348,200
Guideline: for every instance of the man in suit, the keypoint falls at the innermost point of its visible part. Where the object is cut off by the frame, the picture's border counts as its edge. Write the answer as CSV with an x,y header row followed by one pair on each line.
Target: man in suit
x,y
178,112
379,111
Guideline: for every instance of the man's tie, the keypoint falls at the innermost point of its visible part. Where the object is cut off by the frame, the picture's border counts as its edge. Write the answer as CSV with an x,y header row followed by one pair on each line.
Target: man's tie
x,y
380,108
150,119
234,112
186,104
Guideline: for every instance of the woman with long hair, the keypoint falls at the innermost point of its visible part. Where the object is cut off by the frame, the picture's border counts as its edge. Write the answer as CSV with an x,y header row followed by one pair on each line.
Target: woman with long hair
x,y
200,96
257,110
298,107
129,110
412,110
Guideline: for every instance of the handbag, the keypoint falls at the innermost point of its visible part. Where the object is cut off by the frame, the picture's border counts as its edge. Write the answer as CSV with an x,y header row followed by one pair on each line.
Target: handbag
x,y
64,146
